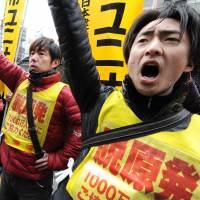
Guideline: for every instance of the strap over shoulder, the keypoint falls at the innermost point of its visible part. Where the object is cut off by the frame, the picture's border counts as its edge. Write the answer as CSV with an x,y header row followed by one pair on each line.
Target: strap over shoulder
x,y
31,126
137,130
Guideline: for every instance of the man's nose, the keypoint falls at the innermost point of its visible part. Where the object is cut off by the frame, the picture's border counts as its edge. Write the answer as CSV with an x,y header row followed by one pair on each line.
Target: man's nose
x,y
33,57
154,47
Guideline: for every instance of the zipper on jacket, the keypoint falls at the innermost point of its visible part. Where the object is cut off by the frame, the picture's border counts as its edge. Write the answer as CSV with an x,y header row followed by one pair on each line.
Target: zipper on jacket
x,y
149,103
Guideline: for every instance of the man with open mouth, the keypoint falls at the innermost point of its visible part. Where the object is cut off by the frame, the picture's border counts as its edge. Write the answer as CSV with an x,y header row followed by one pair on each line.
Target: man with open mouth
x,y
141,142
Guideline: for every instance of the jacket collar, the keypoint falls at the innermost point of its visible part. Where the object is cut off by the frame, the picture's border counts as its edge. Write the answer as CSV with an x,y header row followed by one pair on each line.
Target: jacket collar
x,y
44,78
147,108
45,82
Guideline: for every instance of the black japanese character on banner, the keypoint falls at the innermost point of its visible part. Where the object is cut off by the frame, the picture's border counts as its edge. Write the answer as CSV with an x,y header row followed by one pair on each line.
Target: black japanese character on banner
x,y
85,3
85,12
112,80
118,18
116,29
13,2
6,49
9,30
12,22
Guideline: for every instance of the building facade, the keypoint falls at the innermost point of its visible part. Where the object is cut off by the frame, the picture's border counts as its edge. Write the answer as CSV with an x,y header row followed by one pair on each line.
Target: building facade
x,y
148,4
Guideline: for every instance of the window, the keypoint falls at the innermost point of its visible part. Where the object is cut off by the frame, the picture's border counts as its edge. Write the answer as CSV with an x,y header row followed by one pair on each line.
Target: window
x,y
148,4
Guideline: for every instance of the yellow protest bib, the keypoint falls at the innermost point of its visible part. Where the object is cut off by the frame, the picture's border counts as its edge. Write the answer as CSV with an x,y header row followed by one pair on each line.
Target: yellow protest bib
x,y
164,165
16,125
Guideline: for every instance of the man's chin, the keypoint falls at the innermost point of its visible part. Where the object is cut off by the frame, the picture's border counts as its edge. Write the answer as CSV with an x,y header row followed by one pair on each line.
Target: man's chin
x,y
33,70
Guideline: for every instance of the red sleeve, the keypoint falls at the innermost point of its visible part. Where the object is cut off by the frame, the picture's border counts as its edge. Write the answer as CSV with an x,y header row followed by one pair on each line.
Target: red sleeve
x,y
10,73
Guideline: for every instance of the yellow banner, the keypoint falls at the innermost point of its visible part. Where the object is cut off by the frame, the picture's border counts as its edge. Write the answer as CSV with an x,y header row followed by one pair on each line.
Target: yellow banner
x,y
13,19
107,23
12,24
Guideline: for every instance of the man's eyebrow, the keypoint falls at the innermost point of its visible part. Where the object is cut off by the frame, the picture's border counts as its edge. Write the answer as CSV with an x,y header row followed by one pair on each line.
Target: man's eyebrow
x,y
161,32
41,50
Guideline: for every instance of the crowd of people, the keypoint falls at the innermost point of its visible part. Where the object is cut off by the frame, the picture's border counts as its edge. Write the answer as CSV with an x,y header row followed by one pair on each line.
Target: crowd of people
x,y
140,142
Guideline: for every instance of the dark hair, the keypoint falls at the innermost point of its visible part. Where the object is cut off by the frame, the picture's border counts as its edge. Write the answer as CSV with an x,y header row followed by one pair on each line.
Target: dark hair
x,y
44,43
179,10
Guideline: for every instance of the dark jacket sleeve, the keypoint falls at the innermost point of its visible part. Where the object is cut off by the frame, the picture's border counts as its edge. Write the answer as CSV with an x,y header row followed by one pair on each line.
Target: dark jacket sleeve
x,y
74,43
192,100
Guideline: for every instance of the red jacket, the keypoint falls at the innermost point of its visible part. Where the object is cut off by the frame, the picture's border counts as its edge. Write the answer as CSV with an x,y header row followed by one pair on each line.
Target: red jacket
x,y
63,136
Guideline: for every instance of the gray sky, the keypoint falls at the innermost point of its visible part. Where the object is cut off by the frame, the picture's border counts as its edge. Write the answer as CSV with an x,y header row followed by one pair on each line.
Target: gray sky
x,y
38,18
2,4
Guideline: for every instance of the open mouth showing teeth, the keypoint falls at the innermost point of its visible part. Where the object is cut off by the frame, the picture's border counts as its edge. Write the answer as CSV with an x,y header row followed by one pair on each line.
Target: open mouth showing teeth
x,y
150,70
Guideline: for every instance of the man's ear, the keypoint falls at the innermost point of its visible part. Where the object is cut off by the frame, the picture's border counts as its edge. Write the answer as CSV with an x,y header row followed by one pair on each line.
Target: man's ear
x,y
55,63
189,67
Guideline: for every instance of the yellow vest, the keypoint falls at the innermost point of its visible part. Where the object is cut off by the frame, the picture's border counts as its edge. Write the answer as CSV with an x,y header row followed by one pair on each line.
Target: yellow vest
x,y
16,124
164,165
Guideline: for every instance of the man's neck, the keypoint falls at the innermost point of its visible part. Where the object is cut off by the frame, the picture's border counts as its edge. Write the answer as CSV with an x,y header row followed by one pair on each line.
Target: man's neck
x,y
146,107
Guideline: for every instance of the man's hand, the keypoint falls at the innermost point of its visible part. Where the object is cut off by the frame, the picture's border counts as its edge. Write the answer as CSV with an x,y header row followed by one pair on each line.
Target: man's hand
x,y
42,163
